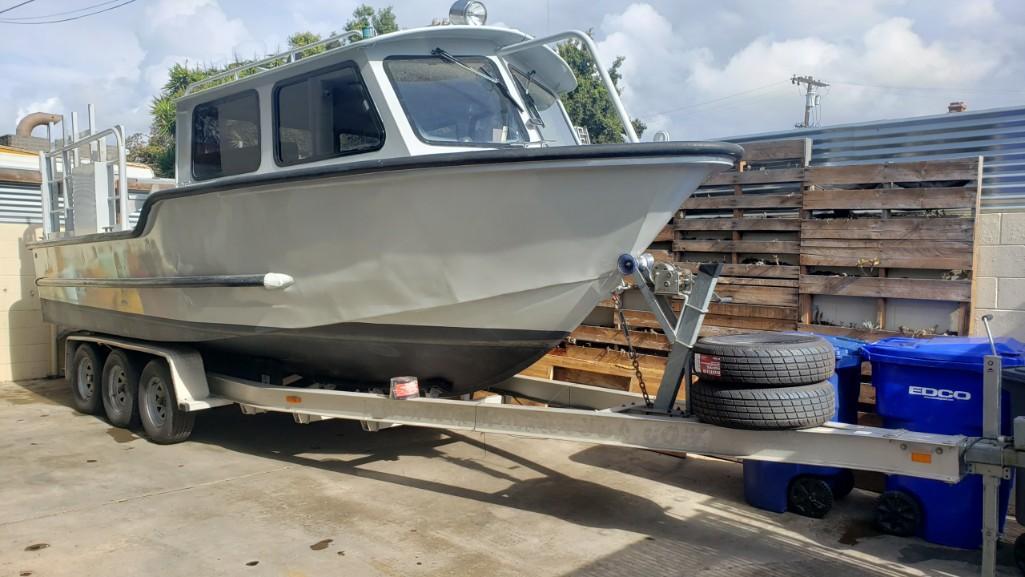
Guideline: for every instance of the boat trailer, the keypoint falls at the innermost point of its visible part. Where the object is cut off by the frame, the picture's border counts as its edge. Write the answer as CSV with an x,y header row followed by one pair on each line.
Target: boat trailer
x,y
603,416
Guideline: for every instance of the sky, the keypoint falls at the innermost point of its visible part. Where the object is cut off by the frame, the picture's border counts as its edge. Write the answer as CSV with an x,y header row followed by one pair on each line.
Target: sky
x,y
699,69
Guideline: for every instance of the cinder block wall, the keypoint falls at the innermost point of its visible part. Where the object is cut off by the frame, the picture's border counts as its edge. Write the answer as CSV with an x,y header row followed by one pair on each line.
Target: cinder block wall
x,y
1000,275
25,340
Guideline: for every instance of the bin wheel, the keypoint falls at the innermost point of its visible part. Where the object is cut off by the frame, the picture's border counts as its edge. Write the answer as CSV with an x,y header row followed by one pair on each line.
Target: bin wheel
x,y
810,497
84,378
161,418
898,513
843,485
120,387
1019,553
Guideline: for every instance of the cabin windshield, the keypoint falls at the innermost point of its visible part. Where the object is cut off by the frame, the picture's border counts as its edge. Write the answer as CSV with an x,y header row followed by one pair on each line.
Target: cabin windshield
x,y
448,104
546,110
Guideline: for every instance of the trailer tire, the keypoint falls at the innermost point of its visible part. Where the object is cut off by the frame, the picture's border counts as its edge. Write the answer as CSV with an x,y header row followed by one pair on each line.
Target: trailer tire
x,y
163,421
741,407
120,388
84,378
764,359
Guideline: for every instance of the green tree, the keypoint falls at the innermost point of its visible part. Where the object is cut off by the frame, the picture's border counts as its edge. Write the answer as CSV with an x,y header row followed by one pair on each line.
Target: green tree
x,y
300,39
588,104
383,20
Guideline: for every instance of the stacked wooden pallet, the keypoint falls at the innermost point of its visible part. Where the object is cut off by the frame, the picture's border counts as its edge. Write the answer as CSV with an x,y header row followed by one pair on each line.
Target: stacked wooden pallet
x,y
749,219
903,240
865,251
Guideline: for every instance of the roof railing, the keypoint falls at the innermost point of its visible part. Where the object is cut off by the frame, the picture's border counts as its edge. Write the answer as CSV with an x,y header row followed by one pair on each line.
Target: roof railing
x,y
272,62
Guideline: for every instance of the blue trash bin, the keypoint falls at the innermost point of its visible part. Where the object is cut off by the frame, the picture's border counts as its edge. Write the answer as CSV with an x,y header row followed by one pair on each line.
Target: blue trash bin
x,y
767,485
935,386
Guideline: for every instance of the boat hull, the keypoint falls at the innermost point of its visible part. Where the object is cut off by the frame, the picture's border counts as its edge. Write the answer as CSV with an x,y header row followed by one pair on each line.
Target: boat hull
x,y
458,272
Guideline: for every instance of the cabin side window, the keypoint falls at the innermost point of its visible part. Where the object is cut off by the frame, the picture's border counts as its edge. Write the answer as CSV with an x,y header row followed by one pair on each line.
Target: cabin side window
x,y
325,114
226,136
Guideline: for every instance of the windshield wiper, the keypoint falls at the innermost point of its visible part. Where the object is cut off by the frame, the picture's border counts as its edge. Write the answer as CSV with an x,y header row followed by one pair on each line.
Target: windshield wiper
x,y
502,88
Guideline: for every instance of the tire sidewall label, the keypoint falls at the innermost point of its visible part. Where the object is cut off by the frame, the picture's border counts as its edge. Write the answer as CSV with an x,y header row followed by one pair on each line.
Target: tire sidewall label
x,y
708,365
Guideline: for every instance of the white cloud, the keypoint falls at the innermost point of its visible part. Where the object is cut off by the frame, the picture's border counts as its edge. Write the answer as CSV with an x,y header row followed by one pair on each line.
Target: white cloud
x,y
686,60
696,91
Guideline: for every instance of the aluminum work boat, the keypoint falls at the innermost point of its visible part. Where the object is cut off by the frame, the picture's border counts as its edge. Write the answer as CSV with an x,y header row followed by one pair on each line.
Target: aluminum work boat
x,y
415,203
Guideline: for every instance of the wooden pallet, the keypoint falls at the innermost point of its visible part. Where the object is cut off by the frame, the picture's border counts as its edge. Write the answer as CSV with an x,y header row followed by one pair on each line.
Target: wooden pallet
x,y
781,213
891,242
749,218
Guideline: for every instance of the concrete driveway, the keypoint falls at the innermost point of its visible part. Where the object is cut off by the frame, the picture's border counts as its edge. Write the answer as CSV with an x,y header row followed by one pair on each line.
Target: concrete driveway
x,y
262,496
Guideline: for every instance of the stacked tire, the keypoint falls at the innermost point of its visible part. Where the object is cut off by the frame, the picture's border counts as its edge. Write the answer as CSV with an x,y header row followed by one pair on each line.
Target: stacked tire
x,y
763,381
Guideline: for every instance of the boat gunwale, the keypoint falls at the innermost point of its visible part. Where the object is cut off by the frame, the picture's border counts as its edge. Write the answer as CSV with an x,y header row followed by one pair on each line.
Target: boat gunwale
x,y
497,156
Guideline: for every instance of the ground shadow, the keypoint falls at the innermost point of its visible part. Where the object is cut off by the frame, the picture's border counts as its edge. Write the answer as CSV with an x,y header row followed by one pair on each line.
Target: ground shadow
x,y
696,543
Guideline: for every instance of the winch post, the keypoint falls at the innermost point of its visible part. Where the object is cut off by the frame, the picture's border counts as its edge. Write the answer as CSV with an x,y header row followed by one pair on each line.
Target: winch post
x,y
682,331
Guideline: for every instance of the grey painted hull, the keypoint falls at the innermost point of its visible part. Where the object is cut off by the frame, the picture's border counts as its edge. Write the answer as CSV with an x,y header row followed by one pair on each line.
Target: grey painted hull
x,y
457,273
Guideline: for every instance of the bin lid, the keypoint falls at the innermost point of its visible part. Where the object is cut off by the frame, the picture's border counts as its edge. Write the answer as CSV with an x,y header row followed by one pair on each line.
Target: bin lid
x,y
955,352
1014,376
848,350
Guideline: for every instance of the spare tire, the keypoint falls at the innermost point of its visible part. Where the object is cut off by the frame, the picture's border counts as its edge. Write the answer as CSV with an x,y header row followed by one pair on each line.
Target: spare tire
x,y
741,407
778,359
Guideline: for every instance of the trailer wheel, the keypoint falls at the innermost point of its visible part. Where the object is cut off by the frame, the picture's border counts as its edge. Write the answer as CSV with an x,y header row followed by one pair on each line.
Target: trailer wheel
x,y
810,497
161,418
120,387
741,407
764,359
84,377
898,513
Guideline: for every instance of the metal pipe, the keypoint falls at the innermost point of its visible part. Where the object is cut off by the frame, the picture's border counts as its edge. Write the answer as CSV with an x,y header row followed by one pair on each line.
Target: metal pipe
x,y
588,43
27,124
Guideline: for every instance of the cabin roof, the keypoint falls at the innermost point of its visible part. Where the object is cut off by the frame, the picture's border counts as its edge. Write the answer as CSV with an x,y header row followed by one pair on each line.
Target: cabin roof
x,y
551,70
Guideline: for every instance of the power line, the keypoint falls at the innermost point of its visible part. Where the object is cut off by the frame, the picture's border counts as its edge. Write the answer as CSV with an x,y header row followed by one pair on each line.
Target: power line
x,y
919,88
70,18
735,94
17,6
63,13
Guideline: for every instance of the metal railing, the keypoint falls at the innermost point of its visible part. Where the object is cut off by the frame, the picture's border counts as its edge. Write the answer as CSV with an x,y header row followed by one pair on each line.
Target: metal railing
x,y
588,43
272,62
57,185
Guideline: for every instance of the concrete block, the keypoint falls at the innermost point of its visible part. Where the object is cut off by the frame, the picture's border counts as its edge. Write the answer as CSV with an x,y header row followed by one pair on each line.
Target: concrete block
x,y
34,335
986,292
16,353
24,371
1012,228
1004,323
16,319
989,228
1001,261
1011,294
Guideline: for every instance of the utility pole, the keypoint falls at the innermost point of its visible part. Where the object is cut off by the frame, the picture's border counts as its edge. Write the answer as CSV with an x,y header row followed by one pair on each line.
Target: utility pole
x,y
811,96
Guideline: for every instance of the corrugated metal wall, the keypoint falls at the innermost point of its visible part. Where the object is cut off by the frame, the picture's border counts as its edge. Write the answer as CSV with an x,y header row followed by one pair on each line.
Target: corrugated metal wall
x,y
997,134
21,204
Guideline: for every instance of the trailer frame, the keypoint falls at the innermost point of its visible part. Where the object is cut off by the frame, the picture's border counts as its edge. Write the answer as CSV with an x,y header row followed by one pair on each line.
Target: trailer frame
x,y
589,414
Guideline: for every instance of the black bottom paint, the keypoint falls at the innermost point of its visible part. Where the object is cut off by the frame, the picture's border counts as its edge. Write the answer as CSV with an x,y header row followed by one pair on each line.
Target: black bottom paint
x,y
465,359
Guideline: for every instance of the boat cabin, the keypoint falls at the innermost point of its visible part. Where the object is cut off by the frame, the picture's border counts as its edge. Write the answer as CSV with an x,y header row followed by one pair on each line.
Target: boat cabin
x,y
351,98
432,90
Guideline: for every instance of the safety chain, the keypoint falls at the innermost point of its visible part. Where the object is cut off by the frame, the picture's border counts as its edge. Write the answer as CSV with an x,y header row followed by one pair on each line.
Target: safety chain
x,y
617,299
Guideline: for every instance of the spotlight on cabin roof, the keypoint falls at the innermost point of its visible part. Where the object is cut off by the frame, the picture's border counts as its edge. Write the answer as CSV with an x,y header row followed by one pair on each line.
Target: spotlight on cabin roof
x,y
469,12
